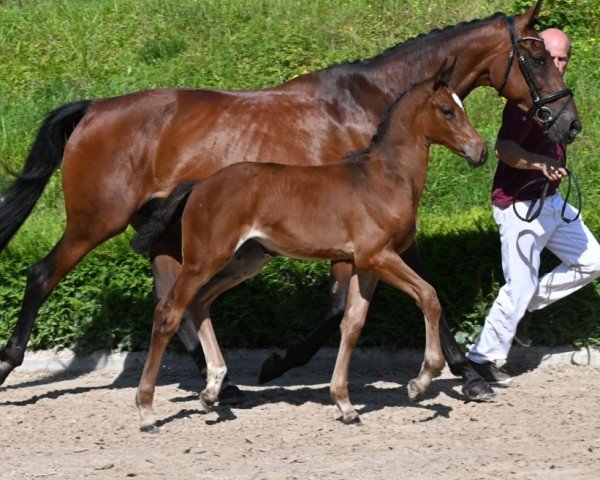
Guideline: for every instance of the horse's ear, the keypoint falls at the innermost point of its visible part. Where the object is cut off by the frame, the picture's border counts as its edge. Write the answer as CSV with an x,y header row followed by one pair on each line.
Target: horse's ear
x,y
531,15
443,76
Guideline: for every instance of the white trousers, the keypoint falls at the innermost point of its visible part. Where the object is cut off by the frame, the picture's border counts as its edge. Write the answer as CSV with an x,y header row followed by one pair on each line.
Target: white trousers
x,y
522,244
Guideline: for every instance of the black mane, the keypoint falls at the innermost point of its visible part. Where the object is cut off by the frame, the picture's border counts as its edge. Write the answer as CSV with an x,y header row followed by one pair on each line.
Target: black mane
x,y
419,38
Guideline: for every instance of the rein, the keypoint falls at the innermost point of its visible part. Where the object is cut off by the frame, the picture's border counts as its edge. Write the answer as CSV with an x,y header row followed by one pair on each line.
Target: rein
x,y
533,212
539,109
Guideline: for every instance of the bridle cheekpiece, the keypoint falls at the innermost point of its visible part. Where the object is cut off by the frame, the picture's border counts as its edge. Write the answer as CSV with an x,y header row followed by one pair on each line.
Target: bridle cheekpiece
x,y
539,109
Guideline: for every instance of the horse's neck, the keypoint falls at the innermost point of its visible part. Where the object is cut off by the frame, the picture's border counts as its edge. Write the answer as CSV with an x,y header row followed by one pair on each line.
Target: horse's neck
x,y
400,158
389,75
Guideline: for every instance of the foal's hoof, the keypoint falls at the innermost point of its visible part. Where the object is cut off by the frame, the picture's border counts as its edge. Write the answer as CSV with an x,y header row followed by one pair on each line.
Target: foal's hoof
x,y
270,369
352,419
415,393
478,390
152,429
206,405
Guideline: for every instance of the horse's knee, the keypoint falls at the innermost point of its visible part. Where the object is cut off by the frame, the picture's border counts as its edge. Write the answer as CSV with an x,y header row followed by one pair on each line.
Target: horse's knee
x,y
37,278
166,320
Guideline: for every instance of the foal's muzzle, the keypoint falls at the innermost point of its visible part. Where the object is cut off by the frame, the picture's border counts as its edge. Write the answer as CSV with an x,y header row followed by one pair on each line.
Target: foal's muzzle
x,y
476,156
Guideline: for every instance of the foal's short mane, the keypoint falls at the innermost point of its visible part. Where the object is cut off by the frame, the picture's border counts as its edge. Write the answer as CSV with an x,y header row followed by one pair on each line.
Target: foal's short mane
x,y
422,37
384,125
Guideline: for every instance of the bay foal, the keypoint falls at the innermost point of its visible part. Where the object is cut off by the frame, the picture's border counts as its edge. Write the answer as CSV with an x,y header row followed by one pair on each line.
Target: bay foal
x,y
362,210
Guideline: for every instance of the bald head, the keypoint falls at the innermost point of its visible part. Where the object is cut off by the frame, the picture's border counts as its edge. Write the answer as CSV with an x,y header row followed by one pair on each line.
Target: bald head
x,y
558,45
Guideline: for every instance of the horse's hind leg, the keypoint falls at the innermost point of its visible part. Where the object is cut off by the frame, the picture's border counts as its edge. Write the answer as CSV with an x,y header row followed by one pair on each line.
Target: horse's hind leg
x,y
247,262
167,317
300,353
361,290
165,270
41,280
475,387
388,266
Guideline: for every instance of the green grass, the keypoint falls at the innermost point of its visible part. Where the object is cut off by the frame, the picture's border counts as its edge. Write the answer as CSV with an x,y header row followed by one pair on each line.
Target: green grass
x,y
55,51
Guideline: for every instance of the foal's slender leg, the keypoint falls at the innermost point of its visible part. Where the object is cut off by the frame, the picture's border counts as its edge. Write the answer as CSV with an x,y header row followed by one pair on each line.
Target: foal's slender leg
x,y
194,275
165,270
361,290
248,261
167,317
300,353
475,387
388,266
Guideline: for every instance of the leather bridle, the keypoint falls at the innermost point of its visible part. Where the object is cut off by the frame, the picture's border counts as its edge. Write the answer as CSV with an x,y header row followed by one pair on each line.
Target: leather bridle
x,y
539,109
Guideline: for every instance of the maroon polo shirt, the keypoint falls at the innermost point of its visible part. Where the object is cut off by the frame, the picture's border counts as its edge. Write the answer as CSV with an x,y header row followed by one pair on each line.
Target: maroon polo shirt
x,y
529,135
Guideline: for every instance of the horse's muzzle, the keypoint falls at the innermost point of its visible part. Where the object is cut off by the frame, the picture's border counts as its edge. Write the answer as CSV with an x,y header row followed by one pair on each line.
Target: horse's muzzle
x,y
477,157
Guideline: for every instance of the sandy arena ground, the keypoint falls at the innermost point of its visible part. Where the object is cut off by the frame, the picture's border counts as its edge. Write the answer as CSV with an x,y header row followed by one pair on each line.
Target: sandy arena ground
x,y
74,425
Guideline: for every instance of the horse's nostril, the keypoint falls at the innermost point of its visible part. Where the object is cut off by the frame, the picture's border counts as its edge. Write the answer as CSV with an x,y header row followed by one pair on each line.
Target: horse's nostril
x,y
484,156
575,127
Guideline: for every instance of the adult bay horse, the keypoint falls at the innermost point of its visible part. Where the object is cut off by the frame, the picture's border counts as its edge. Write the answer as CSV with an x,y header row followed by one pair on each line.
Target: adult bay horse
x,y
362,210
124,153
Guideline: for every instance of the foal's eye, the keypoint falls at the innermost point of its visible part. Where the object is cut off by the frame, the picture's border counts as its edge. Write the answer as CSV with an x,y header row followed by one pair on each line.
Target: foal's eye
x,y
448,113
538,61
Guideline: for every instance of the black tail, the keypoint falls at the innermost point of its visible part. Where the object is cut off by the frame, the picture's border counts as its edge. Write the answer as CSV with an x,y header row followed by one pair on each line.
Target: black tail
x,y
161,219
19,198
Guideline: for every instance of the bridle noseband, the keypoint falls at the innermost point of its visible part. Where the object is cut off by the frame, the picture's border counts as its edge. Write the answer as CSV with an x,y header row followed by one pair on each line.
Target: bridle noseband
x,y
539,109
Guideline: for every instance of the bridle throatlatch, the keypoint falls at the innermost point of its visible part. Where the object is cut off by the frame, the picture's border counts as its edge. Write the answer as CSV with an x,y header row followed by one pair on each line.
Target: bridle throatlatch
x,y
539,109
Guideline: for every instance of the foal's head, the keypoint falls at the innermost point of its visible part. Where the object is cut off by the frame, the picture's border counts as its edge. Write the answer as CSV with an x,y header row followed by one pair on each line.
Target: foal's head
x,y
441,117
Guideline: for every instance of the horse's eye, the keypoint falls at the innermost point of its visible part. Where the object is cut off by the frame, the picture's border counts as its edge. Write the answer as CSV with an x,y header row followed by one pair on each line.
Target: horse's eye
x,y
538,61
448,113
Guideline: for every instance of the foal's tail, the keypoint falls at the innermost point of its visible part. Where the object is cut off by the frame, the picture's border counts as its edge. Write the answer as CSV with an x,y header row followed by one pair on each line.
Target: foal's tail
x,y
21,195
151,231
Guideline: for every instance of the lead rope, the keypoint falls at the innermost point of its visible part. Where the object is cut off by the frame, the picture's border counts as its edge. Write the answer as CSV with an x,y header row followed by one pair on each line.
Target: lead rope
x,y
541,199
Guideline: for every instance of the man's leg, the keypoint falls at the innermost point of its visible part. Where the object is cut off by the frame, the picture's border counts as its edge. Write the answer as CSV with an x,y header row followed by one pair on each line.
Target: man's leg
x,y
522,244
579,252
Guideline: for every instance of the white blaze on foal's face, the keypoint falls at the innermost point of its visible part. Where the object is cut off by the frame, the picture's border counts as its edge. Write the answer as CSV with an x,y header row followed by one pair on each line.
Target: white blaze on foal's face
x,y
457,100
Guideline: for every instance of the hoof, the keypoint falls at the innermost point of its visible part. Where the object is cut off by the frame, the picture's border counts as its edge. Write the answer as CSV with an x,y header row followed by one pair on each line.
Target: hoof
x,y
414,392
206,405
152,429
478,390
5,369
270,369
352,419
231,395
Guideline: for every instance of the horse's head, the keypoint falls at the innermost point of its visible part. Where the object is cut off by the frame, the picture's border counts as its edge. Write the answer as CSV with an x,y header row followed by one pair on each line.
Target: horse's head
x,y
525,73
444,120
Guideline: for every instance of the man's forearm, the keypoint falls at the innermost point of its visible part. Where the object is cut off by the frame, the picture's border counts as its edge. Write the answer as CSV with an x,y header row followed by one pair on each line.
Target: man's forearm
x,y
516,156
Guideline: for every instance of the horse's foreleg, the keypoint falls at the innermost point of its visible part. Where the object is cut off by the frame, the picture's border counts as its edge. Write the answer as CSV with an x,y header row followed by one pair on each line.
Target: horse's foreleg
x,y
475,387
165,270
361,288
300,353
41,280
388,266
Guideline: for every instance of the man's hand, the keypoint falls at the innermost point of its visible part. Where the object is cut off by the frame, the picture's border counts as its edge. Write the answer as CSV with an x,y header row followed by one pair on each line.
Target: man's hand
x,y
553,169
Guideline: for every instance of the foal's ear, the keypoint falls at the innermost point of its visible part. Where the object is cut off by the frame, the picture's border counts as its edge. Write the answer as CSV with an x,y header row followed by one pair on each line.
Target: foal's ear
x,y
443,76
531,15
